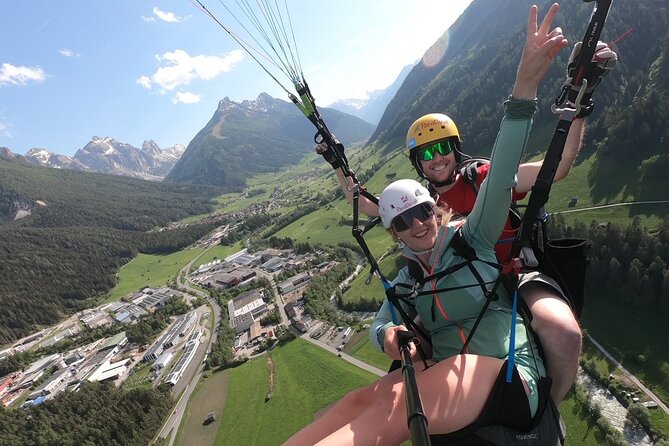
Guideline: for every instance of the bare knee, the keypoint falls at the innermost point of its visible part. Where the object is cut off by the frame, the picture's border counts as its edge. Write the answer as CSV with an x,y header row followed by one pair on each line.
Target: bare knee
x,y
552,319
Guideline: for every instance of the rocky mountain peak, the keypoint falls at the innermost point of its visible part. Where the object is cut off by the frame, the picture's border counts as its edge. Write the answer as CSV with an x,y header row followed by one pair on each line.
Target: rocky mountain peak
x,y
106,155
151,147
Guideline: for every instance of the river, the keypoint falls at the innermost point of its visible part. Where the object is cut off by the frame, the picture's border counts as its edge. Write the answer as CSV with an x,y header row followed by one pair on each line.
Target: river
x,y
614,412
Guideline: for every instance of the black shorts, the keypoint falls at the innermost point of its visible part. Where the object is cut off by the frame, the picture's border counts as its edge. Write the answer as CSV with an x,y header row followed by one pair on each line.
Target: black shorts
x,y
506,418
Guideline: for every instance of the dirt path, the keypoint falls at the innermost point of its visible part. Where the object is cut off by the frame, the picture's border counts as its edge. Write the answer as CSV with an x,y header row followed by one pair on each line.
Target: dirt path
x,y
270,367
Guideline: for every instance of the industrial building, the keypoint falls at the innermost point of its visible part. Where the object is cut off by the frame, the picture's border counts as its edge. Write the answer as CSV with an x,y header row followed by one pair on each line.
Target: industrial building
x,y
180,366
295,282
162,361
244,308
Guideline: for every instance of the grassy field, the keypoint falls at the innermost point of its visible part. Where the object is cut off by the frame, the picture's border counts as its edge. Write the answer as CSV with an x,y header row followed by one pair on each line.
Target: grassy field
x,y
209,396
581,428
150,270
307,379
325,226
360,289
216,252
578,184
139,378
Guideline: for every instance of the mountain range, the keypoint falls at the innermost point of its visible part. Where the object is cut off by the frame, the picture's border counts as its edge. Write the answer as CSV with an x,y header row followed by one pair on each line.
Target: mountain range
x,y
106,155
252,137
241,140
371,109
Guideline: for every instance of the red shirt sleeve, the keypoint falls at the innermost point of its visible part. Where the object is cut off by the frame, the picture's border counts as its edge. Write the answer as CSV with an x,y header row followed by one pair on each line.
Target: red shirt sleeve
x,y
483,172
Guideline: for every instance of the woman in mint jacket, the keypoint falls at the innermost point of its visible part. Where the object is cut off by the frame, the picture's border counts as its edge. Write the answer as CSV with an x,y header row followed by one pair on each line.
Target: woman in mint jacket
x,y
456,387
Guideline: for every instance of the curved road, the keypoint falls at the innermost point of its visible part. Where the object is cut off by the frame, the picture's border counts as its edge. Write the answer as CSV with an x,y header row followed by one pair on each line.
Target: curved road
x,y
171,426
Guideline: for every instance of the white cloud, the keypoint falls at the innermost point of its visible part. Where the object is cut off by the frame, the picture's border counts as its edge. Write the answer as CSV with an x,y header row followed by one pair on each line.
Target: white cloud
x,y
179,68
186,97
145,81
4,130
148,19
69,53
10,74
168,17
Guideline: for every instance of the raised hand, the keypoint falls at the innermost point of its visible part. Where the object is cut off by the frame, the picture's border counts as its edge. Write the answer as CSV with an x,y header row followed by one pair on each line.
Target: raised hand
x,y
541,47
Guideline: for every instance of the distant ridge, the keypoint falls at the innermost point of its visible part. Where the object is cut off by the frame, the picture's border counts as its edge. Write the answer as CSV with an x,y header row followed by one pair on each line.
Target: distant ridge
x,y
106,155
252,137
371,109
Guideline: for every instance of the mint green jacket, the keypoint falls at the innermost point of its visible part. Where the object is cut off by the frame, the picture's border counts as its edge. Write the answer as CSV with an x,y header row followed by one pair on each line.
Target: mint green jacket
x,y
449,316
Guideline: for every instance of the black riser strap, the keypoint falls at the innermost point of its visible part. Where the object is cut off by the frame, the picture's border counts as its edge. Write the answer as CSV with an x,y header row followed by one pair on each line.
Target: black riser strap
x,y
542,185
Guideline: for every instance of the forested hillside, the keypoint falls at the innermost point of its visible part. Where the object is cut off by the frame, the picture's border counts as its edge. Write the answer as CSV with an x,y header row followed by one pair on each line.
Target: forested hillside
x,y
255,137
82,227
98,413
630,124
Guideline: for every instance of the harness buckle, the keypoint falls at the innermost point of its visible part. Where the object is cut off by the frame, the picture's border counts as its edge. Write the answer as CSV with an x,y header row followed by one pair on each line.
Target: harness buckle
x,y
491,295
528,258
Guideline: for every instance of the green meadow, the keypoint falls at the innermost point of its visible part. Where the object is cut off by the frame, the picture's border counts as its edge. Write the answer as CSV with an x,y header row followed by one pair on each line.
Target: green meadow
x,y
581,424
307,379
216,252
361,348
150,270
209,396
628,332
580,184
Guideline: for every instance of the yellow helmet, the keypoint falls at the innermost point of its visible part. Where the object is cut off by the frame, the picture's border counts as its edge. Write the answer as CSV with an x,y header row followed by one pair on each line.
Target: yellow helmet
x,y
429,129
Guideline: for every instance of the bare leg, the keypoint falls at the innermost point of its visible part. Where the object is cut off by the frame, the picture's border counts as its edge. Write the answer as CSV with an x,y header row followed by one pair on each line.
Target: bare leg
x,y
559,333
453,393
345,410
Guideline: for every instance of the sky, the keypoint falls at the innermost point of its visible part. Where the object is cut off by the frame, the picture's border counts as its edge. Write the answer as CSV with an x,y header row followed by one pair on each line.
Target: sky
x,y
138,70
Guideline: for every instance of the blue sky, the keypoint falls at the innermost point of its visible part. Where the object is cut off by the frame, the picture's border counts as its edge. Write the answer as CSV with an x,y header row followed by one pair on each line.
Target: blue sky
x,y
136,70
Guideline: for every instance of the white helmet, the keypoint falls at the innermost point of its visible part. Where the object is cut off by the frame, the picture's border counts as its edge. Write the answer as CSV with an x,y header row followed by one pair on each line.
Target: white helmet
x,y
399,196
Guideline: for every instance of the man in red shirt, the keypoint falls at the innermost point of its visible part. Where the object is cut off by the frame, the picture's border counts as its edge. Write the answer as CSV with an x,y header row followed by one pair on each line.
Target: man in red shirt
x,y
435,151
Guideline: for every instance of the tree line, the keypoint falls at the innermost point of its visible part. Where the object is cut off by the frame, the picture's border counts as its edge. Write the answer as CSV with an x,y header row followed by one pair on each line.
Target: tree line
x,y
97,414
46,272
82,228
317,294
627,263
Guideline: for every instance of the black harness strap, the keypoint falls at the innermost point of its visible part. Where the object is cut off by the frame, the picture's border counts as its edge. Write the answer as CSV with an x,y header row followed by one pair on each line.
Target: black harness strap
x,y
462,249
542,186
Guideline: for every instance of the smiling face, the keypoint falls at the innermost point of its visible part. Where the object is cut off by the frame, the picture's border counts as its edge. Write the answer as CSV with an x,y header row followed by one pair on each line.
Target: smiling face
x,y
440,168
421,235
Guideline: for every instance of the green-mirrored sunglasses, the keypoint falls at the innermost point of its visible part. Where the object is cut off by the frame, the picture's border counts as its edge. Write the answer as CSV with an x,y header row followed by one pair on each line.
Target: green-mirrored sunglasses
x,y
443,148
